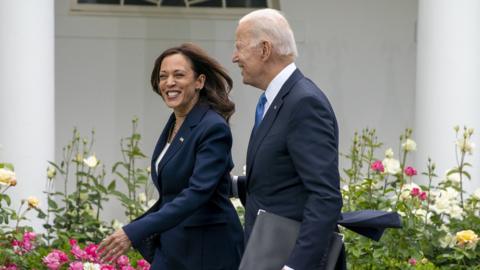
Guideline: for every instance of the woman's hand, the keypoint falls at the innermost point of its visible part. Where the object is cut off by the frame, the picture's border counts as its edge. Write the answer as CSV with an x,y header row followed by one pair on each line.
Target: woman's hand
x,y
114,246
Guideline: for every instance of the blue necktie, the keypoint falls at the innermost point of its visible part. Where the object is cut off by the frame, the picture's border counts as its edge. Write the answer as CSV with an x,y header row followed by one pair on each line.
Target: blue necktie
x,y
260,109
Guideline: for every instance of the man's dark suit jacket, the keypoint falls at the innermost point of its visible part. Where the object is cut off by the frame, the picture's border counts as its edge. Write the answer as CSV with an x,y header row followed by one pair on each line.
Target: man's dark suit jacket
x,y
292,169
193,225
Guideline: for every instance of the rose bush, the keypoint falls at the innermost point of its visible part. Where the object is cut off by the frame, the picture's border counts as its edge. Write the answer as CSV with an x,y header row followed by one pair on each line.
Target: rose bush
x,y
441,222
73,213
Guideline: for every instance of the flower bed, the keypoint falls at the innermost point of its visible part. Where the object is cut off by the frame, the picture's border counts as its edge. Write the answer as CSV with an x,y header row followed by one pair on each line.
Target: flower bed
x,y
440,230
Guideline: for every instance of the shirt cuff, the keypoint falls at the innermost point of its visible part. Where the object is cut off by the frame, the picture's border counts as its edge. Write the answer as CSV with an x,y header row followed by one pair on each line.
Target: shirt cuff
x,y
287,268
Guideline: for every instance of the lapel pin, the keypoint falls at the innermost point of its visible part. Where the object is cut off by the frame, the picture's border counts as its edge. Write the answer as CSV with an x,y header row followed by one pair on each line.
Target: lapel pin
x,y
181,139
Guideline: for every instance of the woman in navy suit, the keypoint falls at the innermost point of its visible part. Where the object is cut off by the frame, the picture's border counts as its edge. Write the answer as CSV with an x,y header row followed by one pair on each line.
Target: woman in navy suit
x,y
193,225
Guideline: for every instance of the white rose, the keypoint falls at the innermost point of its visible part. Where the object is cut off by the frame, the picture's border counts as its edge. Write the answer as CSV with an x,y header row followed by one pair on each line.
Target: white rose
x,y
409,145
456,212
452,194
142,197
51,172
391,165
33,202
389,153
91,161
465,145
91,266
447,241
7,177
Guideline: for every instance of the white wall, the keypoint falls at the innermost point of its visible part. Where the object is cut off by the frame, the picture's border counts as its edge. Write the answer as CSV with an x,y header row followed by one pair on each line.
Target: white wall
x,y
361,53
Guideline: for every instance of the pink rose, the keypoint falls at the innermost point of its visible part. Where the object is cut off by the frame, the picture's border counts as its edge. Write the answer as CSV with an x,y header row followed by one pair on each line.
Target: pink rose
x,y
72,242
107,267
377,166
423,196
415,192
76,266
78,253
412,261
143,265
123,261
127,268
63,257
55,259
410,171
16,243
28,236
91,251
17,246
27,245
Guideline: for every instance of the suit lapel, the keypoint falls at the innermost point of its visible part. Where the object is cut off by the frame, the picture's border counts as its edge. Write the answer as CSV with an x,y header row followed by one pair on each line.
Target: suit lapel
x,y
160,145
183,134
257,136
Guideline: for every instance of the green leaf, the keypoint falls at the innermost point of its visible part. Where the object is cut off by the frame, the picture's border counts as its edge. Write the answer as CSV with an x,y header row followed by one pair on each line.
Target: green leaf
x,y
452,171
52,204
112,186
40,214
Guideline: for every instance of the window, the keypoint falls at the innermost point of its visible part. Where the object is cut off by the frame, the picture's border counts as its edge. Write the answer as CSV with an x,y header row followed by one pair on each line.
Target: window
x,y
197,8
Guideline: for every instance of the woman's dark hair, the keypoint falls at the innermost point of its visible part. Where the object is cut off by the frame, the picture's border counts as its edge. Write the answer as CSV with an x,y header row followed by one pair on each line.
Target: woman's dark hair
x,y
217,82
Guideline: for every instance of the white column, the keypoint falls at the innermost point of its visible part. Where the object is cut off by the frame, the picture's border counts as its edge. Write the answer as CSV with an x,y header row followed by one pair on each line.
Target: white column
x,y
448,81
27,94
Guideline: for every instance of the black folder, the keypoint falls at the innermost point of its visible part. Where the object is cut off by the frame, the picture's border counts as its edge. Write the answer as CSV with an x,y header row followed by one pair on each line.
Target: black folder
x,y
272,240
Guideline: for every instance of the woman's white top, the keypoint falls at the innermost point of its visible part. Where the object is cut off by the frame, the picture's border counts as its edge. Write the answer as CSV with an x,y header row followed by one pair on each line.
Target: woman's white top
x,y
165,148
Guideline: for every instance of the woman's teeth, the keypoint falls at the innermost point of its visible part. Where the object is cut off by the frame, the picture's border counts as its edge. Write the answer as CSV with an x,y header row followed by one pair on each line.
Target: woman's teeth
x,y
173,94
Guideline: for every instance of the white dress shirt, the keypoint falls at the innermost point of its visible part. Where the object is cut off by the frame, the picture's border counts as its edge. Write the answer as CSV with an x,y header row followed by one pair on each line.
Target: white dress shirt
x,y
165,148
276,84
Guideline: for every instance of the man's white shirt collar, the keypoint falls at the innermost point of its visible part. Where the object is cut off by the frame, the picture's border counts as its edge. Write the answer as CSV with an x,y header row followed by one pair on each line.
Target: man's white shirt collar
x,y
276,84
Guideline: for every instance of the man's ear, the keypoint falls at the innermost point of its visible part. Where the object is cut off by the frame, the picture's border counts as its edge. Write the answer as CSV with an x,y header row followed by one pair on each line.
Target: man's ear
x,y
266,49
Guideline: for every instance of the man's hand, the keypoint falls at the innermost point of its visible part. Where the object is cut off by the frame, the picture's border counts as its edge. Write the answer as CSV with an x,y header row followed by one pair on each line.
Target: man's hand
x,y
114,246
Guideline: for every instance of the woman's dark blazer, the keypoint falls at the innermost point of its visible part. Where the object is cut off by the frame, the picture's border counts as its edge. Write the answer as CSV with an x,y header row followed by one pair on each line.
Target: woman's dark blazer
x,y
193,225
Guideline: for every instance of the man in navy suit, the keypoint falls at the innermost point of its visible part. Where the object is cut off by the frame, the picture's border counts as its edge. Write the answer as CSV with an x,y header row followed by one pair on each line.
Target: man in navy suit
x,y
292,157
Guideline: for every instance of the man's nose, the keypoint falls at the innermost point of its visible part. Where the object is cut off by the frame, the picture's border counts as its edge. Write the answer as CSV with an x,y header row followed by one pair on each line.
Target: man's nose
x,y
235,56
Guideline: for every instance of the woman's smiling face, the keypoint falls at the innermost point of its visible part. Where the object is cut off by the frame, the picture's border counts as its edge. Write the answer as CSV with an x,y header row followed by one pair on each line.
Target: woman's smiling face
x,y
178,83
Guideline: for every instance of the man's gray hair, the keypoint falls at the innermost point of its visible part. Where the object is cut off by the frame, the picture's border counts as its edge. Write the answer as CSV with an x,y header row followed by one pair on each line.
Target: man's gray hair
x,y
271,25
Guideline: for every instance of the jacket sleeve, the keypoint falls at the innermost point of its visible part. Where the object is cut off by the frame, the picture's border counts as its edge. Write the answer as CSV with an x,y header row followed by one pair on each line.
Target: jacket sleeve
x,y
313,146
212,160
